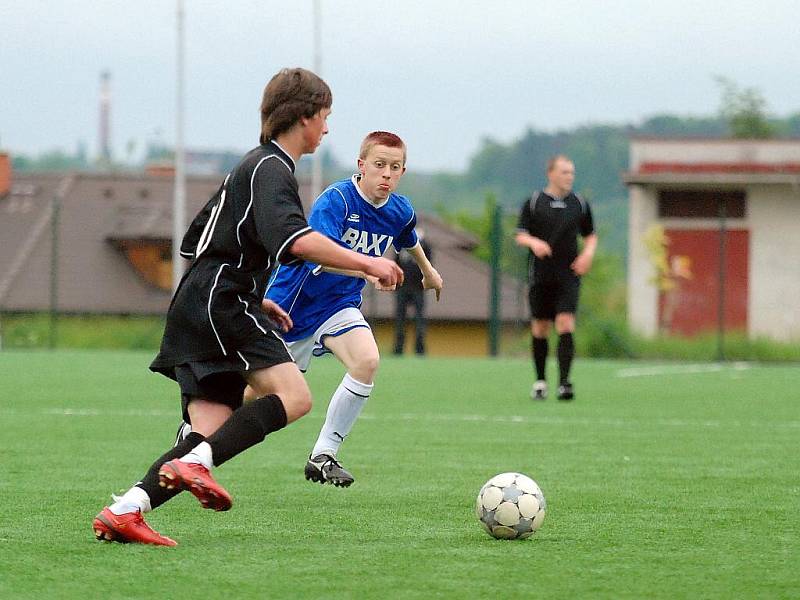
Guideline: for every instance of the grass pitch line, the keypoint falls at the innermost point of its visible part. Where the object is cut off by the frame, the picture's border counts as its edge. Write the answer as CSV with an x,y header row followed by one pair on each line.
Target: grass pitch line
x,y
680,369
453,418
409,417
94,412
589,421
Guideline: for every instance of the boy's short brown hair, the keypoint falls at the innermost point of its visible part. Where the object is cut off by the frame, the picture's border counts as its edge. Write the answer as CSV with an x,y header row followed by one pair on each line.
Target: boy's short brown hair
x,y
551,163
289,96
381,138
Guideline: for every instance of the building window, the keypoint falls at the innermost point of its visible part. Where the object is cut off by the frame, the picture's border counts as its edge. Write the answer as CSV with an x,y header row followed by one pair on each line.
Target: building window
x,y
701,204
151,260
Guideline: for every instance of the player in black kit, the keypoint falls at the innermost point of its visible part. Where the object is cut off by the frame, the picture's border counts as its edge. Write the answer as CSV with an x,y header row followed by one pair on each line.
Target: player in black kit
x,y
219,335
549,224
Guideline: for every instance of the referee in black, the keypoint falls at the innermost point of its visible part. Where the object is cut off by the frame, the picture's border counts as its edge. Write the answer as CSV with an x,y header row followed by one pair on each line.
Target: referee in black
x,y
549,224
219,335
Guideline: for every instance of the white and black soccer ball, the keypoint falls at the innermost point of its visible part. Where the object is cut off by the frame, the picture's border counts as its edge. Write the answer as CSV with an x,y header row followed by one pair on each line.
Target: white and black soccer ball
x,y
510,506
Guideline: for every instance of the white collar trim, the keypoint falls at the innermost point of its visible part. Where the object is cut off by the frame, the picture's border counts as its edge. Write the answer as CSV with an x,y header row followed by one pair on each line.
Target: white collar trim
x,y
289,156
355,179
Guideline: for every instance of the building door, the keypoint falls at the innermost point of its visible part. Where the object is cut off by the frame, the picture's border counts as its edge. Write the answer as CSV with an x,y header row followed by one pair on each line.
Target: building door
x,y
693,305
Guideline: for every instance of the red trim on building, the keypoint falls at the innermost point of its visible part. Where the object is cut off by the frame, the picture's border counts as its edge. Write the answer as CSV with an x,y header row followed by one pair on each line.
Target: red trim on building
x,y
712,167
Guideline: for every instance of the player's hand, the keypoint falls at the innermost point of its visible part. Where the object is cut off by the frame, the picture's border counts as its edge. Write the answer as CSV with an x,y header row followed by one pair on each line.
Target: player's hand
x,y
582,264
388,272
377,283
541,248
432,280
277,315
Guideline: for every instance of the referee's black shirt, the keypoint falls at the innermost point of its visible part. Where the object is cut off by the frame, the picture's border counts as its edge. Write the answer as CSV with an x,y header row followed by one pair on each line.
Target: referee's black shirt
x,y
557,221
235,241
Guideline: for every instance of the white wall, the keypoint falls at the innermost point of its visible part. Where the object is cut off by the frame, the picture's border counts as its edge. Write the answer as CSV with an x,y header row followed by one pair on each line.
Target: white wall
x,y
642,295
774,287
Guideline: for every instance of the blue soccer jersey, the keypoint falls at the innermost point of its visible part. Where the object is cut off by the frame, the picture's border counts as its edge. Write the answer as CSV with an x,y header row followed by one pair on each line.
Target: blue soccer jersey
x,y
345,215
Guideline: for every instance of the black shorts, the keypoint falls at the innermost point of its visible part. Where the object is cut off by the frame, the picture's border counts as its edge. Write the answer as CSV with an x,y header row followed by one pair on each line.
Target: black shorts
x,y
554,296
222,379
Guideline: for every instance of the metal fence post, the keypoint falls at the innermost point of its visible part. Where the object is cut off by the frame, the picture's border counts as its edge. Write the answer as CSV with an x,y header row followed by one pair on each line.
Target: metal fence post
x,y
53,334
721,291
496,241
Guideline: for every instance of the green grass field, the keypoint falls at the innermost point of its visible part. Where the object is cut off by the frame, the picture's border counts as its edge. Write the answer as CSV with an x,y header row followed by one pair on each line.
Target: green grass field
x,y
662,481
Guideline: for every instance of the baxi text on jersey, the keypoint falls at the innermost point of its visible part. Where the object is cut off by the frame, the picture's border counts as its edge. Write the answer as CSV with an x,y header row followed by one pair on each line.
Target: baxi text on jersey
x,y
366,242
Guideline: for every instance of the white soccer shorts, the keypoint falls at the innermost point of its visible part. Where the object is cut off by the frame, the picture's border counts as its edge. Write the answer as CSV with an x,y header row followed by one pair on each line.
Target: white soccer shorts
x,y
339,323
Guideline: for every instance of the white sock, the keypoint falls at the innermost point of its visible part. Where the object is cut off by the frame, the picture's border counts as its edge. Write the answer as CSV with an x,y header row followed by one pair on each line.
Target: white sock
x,y
131,501
200,454
343,410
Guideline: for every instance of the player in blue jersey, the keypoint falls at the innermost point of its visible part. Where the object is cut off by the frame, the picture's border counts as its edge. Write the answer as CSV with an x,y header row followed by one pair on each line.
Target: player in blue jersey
x,y
363,214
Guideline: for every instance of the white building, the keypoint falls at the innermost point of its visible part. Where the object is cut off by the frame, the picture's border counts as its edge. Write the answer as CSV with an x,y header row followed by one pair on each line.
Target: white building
x,y
731,212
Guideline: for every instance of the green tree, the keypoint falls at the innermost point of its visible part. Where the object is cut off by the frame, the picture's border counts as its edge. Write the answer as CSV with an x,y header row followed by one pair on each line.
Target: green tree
x,y
744,109
50,160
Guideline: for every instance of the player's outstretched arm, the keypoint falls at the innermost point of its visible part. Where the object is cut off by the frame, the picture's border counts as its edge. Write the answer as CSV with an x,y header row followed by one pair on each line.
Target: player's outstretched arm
x,y
430,276
539,247
348,272
361,275
317,248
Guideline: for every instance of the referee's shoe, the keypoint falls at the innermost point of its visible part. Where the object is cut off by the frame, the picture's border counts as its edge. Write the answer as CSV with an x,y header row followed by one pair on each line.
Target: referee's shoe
x,y
566,391
539,390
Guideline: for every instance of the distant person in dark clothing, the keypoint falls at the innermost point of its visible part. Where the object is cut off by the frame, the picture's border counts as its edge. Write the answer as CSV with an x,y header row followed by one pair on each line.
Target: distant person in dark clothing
x,y
412,292
549,225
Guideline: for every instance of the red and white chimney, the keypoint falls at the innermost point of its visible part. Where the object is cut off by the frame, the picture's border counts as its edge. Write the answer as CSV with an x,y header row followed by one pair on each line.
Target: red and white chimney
x,y
5,174
105,116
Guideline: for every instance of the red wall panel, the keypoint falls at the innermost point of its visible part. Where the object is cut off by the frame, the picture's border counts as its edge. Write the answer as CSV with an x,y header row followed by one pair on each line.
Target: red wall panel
x,y
693,306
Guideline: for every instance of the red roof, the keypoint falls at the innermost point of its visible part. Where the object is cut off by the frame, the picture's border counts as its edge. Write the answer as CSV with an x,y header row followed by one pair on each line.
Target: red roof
x,y
718,167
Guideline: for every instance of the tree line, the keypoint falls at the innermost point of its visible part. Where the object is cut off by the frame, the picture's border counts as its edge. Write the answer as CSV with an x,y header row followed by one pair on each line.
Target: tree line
x,y
510,172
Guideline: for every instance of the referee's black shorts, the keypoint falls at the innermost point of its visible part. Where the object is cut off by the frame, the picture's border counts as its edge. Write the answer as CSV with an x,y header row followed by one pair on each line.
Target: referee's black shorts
x,y
222,379
553,296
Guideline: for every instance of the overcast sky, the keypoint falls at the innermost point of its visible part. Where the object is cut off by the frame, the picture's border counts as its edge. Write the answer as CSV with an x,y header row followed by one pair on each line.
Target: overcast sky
x,y
442,74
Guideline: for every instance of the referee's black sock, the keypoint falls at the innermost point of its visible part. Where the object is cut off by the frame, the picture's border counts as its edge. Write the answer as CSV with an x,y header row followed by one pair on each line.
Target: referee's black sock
x,y
566,351
246,427
539,349
149,483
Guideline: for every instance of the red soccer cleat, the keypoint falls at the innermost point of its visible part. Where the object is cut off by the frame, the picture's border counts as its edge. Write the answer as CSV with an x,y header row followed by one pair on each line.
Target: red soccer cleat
x,y
198,480
128,527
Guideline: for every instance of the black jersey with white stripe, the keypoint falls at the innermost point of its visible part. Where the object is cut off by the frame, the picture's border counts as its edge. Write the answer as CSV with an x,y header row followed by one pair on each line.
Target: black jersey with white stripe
x,y
557,221
235,241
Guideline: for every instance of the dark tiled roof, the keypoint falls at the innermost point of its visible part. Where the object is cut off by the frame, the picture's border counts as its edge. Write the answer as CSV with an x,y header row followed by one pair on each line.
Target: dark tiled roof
x,y
95,277
142,220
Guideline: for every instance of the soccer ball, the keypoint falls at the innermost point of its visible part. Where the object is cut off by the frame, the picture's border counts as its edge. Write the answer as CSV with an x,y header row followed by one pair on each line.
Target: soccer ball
x,y
510,506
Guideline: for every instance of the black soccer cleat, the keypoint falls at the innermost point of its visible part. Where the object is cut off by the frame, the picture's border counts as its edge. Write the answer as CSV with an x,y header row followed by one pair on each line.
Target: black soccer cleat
x,y
565,391
539,390
324,468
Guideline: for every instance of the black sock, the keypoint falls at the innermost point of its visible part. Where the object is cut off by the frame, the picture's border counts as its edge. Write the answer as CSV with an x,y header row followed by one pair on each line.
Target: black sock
x,y
246,427
539,350
566,351
149,483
